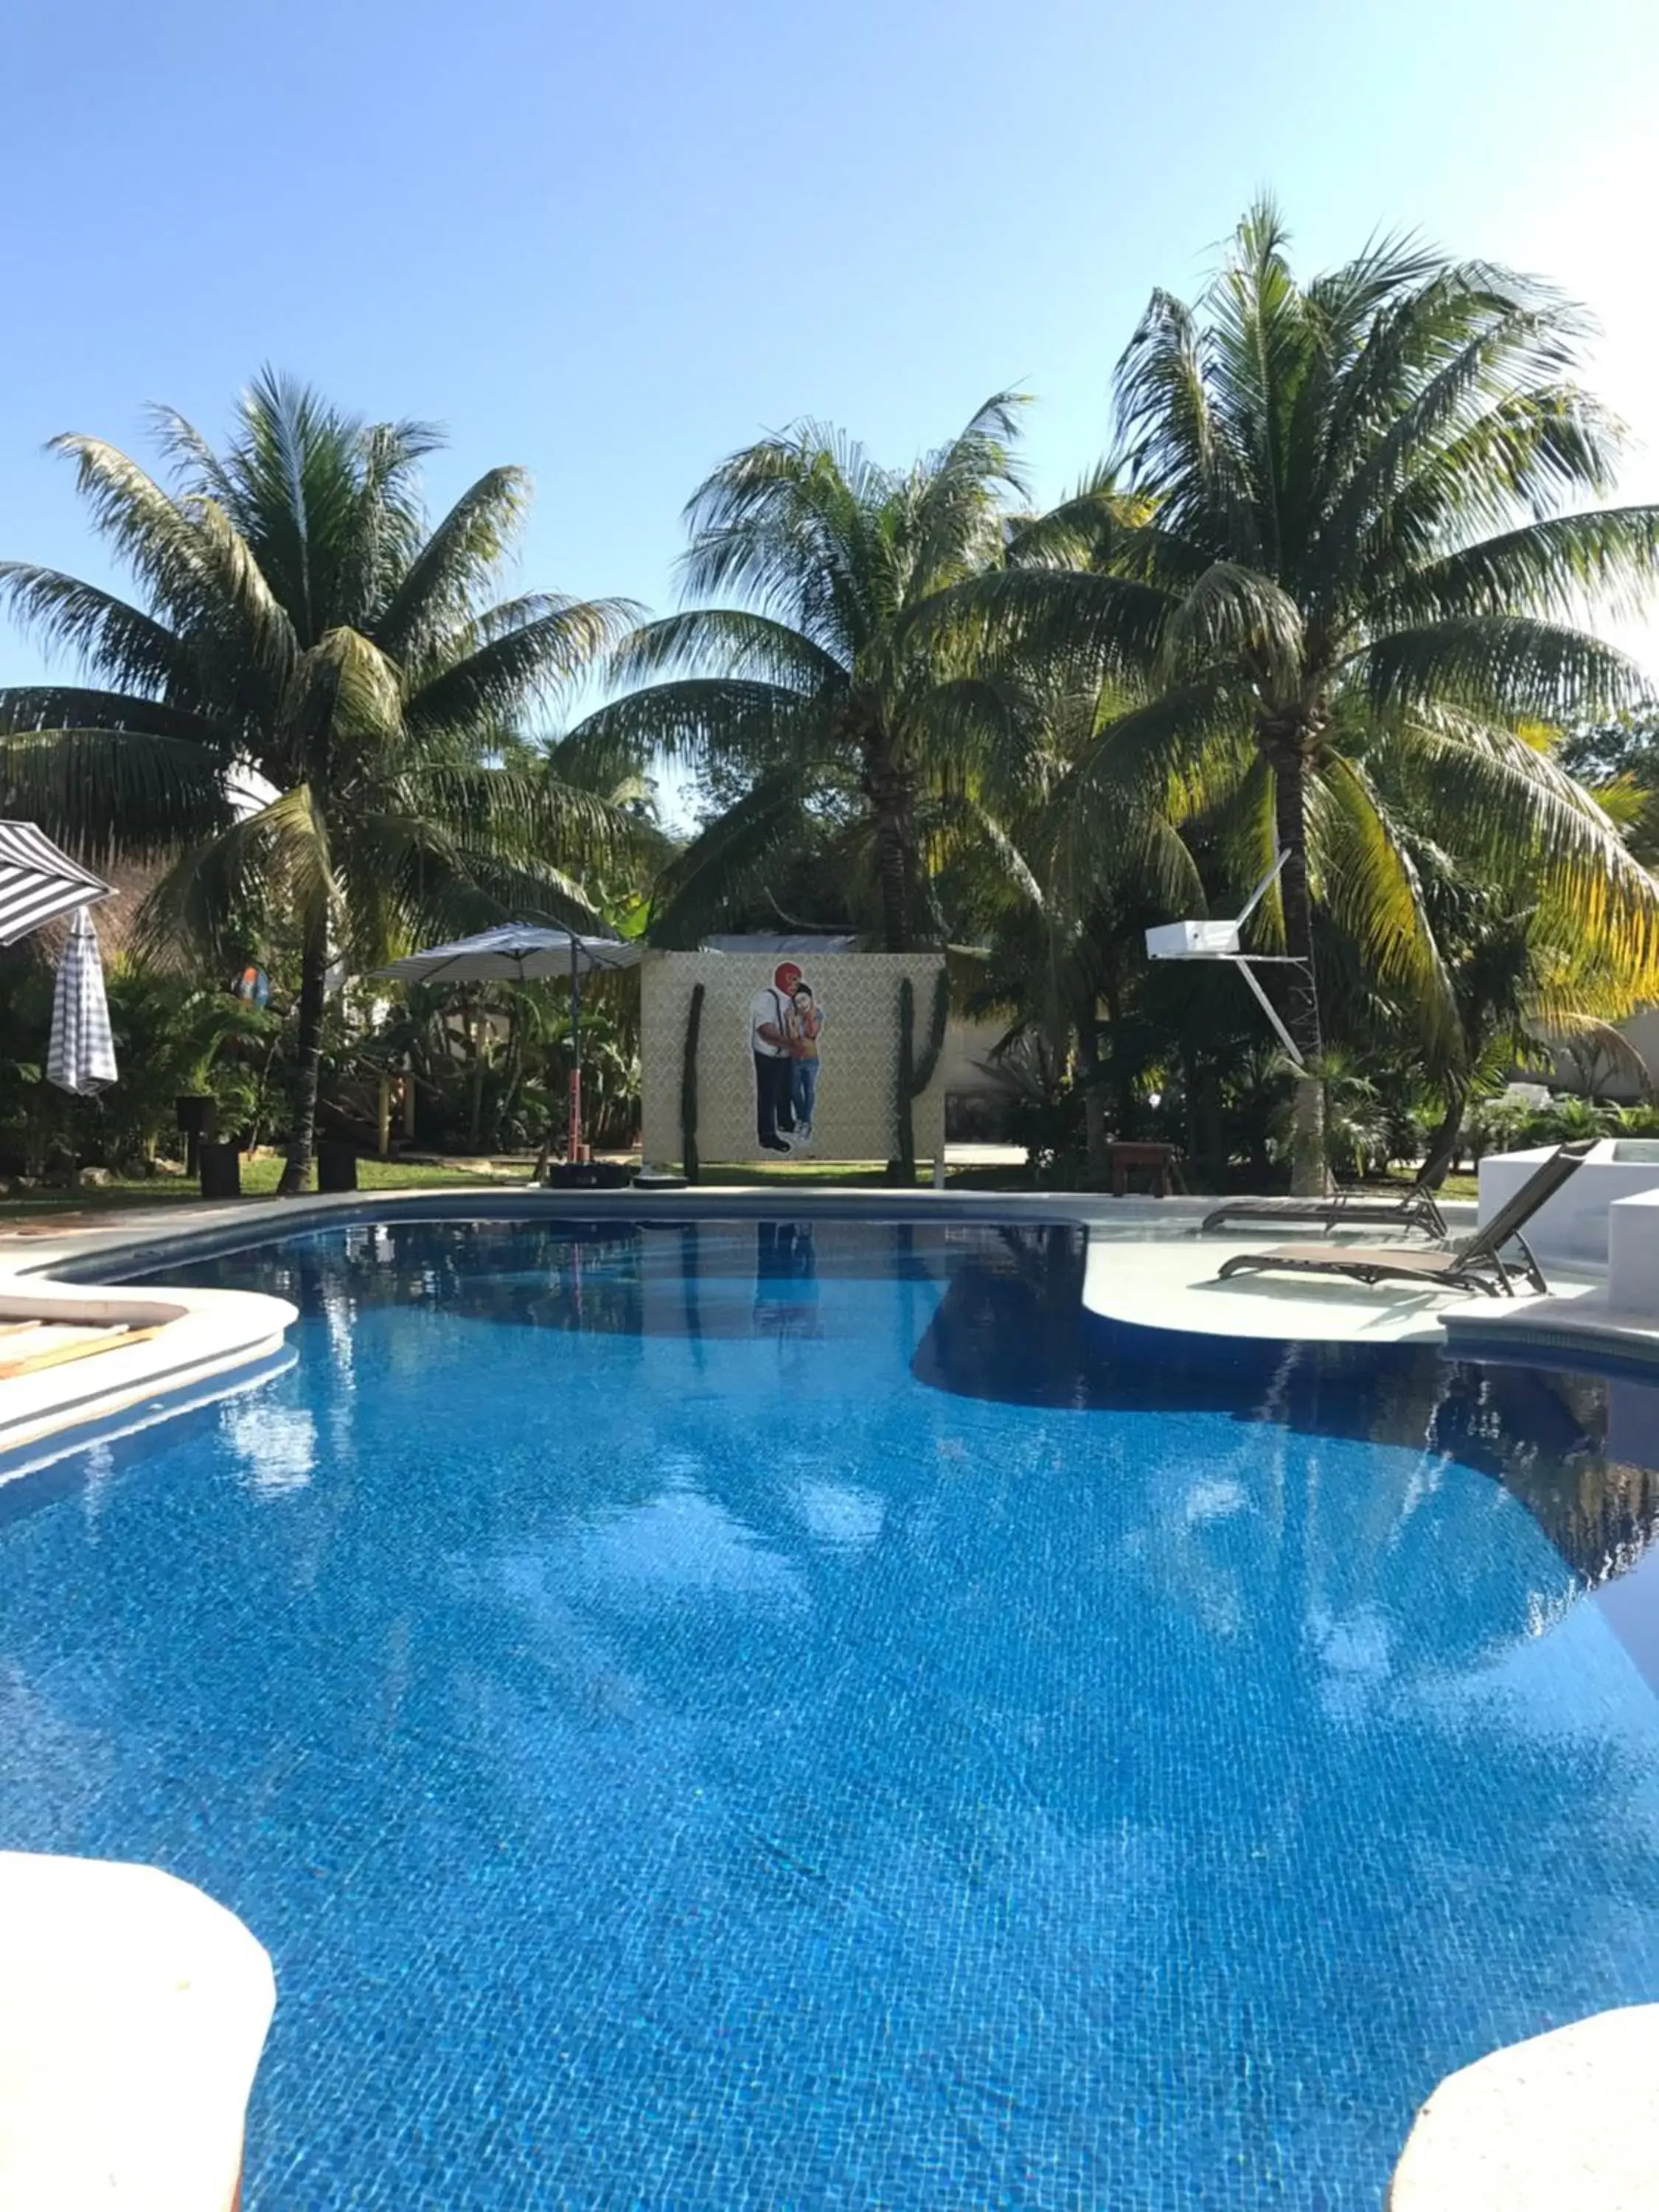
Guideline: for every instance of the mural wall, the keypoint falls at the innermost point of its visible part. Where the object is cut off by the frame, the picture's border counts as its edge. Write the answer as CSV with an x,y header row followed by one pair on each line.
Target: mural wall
x,y
797,1055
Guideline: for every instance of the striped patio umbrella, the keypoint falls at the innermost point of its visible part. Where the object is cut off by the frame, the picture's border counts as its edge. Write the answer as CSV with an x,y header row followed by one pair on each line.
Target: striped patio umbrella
x,y
80,1057
37,883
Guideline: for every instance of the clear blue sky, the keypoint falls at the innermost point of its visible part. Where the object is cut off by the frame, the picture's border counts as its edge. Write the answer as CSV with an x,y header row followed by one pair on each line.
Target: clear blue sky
x,y
614,243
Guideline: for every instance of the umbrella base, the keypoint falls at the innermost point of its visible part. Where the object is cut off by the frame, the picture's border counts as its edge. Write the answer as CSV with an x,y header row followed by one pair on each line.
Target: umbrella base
x,y
586,1174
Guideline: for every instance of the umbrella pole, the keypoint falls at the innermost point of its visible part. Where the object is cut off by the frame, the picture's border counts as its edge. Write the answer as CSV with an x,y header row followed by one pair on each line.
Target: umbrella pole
x,y
575,1148
539,1175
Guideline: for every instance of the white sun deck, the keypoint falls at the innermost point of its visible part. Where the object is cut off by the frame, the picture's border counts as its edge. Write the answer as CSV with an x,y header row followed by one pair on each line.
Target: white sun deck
x,y
1177,1286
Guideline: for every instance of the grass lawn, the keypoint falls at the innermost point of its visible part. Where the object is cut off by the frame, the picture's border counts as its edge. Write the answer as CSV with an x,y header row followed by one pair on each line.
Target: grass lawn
x,y
259,1181
260,1177
1455,1186
797,1174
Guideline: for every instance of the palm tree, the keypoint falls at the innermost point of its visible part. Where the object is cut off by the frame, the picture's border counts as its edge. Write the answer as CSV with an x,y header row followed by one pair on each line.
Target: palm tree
x,y
308,707
1351,576
811,696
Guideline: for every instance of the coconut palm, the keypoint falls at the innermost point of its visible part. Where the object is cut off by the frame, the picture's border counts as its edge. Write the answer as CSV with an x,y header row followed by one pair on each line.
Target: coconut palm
x,y
810,697
1361,568
307,707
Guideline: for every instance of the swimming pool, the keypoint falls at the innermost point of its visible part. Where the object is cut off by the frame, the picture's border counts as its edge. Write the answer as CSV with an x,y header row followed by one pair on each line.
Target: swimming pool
x,y
781,1716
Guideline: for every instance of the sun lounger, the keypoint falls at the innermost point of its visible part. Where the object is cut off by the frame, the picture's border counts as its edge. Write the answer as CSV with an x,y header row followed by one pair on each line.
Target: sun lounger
x,y
1478,1263
1415,1208
61,1343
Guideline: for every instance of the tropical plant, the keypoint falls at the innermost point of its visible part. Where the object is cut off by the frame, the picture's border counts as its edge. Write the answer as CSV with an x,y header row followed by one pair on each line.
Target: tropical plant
x,y
1354,1116
826,714
1349,580
307,712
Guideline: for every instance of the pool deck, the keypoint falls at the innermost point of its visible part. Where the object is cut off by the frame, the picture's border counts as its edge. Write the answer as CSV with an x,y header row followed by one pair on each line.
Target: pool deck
x,y
1170,1283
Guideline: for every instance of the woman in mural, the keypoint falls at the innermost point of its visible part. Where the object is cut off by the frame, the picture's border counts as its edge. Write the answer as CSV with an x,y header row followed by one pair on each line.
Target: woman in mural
x,y
805,1027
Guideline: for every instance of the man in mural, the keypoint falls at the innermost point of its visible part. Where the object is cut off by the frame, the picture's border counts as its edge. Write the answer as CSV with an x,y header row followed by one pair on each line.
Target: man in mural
x,y
769,1014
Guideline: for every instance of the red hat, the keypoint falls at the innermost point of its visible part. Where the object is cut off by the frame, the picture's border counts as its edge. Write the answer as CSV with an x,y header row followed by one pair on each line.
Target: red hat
x,y
786,976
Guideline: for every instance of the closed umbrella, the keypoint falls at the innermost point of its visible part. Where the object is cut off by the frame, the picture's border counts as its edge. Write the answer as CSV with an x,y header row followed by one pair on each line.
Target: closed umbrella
x,y
37,883
519,954
80,1057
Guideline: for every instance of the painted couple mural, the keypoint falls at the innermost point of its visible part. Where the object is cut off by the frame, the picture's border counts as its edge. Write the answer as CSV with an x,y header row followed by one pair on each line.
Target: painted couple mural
x,y
785,1024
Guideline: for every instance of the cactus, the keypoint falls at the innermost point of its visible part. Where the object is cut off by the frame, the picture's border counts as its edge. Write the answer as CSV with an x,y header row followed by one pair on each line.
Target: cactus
x,y
688,1084
914,1075
928,1066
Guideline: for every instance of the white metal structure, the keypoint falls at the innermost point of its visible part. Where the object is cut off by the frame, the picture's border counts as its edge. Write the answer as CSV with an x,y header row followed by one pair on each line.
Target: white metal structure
x,y
1219,940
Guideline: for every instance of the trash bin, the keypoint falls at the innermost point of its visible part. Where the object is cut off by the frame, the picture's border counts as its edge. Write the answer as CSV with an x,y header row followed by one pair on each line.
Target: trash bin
x,y
222,1170
337,1166
192,1108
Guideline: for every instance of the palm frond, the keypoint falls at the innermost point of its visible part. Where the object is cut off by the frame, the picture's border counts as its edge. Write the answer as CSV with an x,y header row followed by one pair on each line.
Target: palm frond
x,y
148,528
117,640
730,859
110,793
1176,449
1068,623
1364,878
786,526
1553,568
729,642
1508,668
703,717
534,658
1258,362
439,589
1233,617
1473,336
49,707
963,492
1507,808
206,896
431,879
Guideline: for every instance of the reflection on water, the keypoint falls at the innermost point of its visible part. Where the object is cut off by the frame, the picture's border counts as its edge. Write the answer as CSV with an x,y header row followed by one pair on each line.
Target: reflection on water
x,y
785,1280
274,1446
1581,1452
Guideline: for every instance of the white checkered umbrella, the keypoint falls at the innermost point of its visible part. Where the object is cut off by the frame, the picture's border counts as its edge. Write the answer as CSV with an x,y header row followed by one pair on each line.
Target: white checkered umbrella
x,y
37,883
80,1057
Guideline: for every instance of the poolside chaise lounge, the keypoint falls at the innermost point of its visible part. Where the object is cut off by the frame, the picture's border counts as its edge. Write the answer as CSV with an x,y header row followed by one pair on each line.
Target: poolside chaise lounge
x,y
40,1332
1476,1265
1415,1208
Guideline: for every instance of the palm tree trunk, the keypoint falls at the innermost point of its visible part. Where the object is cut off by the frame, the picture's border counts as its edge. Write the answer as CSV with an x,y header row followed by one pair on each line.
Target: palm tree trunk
x,y
1308,1167
308,1061
1094,1091
1442,1154
893,872
890,793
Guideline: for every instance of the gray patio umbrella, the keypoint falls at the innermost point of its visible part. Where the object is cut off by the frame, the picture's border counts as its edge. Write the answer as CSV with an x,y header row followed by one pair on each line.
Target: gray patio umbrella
x,y
37,883
80,1057
520,952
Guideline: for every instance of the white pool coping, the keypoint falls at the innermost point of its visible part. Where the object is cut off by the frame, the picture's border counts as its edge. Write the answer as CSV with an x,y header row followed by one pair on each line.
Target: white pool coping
x,y
135,2012
1565,2122
203,1334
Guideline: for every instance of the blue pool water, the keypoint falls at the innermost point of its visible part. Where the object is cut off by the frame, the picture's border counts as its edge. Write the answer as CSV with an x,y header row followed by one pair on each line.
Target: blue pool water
x,y
740,1717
